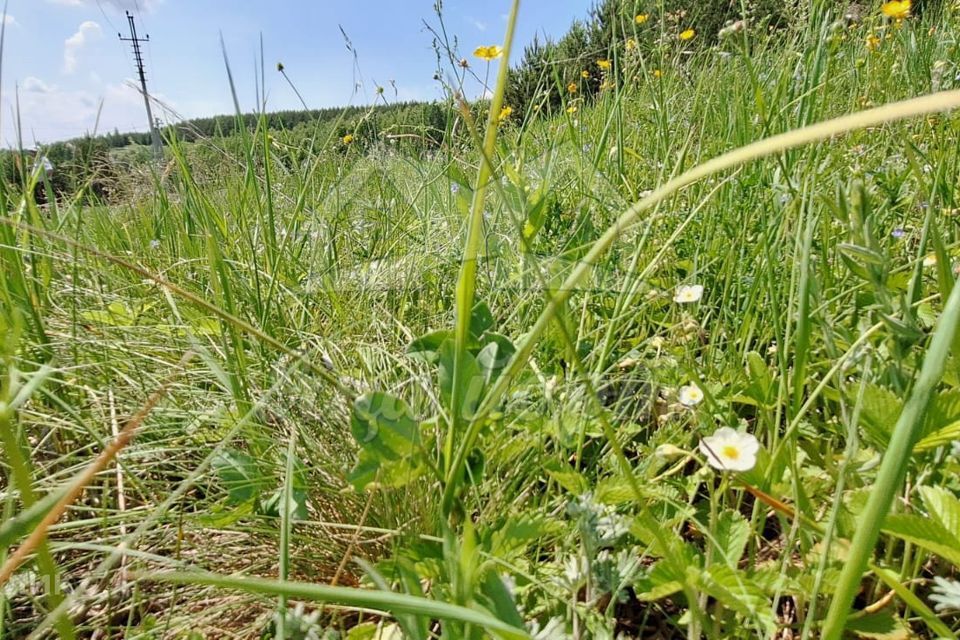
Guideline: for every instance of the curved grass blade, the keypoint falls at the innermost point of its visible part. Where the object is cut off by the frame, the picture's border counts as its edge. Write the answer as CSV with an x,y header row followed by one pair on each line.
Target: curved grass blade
x,y
384,600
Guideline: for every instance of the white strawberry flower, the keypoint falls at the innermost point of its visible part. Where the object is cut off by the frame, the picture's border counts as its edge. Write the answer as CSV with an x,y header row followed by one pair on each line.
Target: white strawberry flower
x,y
688,293
690,395
729,450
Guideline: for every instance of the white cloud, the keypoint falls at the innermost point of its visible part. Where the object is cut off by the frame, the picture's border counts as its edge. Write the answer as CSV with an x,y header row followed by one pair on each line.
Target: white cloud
x,y
88,30
33,84
9,20
61,113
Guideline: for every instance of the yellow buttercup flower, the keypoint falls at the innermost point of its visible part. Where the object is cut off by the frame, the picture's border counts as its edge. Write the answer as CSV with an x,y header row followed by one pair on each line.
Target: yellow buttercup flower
x,y
896,9
347,139
687,34
572,108
631,44
604,64
641,18
873,41
657,73
584,74
606,84
488,53
572,87
504,114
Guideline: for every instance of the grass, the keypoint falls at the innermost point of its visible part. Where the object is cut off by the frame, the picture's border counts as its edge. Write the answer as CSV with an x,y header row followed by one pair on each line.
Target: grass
x,y
453,375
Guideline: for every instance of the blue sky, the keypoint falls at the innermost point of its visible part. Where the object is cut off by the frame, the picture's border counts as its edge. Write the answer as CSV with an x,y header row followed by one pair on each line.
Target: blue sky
x,y
65,58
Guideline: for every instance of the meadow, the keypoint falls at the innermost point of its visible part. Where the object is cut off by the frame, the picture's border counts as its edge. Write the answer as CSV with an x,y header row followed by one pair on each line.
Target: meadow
x,y
678,360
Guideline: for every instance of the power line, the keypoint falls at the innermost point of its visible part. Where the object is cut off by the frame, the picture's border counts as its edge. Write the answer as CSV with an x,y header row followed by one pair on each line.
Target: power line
x,y
138,58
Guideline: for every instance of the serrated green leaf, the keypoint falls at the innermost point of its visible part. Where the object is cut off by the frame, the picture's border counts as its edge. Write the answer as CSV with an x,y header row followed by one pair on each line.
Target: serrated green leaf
x,y
944,506
731,534
736,591
882,625
879,412
925,533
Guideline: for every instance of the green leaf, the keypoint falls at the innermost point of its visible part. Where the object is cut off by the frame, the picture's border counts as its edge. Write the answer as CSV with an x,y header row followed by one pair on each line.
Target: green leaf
x,y
519,531
481,319
240,475
737,592
499,600
731,535
761,387
472,380
944,506
567,477
882,625
427,347
494,356
270,505
879,412
925,533
942,424
389,436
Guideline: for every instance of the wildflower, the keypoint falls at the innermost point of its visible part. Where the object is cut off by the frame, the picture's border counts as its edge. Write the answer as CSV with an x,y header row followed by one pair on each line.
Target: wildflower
x,y
347,139
606,84
584,74
687,34
898,233
572,109
657,73
454,188
154,244
896,9
604,64
668,451
729,450
572,87
504,114
946,593
929,260
464,63
690,395
688,293
733,27
488,53
641,18
873,41
631,44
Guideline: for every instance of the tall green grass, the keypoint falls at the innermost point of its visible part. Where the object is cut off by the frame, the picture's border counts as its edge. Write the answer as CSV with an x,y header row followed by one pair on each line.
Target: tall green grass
x,y
489,329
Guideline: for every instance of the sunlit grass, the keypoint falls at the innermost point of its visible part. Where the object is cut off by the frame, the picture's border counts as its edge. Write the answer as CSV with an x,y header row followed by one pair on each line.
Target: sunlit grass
x,y
745,240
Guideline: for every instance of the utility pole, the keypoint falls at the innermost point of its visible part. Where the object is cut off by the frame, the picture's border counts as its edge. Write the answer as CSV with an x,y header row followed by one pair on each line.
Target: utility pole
x,y
138,56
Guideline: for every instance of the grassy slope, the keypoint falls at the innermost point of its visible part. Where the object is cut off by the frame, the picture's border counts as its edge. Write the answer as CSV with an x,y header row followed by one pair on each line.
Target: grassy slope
x,y
348,258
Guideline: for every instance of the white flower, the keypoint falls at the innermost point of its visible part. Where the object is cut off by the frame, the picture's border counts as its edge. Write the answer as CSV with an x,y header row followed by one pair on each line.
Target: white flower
x,y
729,450
690,395
154,244
929,260
688,293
